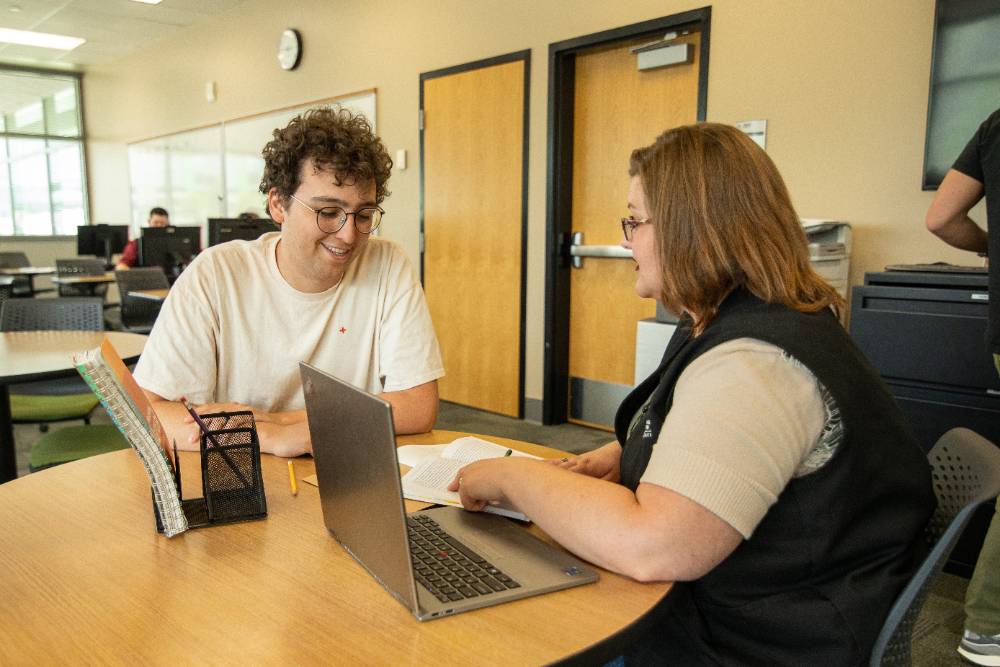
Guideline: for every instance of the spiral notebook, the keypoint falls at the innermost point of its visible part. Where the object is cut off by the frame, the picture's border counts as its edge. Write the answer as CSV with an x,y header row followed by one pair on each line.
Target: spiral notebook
x,y
130,410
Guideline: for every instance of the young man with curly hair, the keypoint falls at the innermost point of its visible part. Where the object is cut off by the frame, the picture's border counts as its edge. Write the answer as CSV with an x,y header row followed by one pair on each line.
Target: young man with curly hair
x,y
322,290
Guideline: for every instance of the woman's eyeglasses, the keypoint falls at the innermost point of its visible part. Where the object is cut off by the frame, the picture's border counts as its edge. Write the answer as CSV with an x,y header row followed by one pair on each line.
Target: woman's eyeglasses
x,y
629,225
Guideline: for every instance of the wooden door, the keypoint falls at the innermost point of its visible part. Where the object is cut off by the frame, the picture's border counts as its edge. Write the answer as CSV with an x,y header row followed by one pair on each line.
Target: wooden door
x,y
473,168
616,108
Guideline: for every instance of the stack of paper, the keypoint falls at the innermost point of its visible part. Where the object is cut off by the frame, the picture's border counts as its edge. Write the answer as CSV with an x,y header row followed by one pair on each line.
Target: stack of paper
x,y
433,467
132,413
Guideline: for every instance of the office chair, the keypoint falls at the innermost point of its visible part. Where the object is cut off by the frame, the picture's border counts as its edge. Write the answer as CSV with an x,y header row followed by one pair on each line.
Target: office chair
x,y
137,314
62,399
68,268
23,285
966,472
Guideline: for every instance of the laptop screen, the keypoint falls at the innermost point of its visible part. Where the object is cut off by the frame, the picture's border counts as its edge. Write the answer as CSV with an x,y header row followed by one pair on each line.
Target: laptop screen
x,y
354,447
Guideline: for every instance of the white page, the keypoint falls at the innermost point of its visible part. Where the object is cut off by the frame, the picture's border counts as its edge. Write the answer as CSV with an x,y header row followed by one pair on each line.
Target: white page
x,y
414,455
436,474
469,449
428,482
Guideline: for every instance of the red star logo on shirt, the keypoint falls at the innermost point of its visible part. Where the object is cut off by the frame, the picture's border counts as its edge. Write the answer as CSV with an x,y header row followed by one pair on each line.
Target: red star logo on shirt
x,y
343,330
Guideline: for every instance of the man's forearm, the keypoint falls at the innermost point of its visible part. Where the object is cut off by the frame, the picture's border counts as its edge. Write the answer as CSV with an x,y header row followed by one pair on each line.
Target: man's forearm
x,y
948,215
414,410
963,233
280,433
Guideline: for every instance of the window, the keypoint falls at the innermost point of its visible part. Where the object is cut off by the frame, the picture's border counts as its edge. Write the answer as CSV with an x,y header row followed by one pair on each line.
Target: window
x,y
43,182
214,171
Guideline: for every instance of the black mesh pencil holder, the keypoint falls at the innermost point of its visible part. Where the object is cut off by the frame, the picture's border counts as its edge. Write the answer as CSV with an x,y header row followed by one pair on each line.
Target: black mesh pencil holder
x,y
231,478
230,468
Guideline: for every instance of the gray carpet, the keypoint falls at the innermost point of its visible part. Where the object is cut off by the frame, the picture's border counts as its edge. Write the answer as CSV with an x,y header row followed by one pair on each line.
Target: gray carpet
x,y
937,631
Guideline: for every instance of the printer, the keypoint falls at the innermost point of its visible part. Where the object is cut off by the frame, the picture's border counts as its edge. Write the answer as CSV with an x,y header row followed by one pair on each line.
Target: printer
x,y
830,250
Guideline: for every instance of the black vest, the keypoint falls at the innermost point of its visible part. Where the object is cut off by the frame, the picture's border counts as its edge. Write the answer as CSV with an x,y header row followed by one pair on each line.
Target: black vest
x,y
815,581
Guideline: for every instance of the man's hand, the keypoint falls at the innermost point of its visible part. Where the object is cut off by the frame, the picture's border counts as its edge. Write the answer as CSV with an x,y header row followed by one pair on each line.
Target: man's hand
x,y
281,433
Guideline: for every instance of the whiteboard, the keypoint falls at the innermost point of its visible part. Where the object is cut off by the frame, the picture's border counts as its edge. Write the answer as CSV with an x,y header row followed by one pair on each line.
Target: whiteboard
x,y
214,171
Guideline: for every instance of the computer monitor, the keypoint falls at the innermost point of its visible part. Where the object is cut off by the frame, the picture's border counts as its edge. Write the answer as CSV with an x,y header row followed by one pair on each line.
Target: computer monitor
x,y
171,248
101,240
221,230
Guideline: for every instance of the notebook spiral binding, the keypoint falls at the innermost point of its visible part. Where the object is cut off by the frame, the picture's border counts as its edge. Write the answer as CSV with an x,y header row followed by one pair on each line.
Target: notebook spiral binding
x,y
137,431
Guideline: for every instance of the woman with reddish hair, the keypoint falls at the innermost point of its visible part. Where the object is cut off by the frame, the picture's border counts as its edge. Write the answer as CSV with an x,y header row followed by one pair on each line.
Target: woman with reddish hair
x,y
763,466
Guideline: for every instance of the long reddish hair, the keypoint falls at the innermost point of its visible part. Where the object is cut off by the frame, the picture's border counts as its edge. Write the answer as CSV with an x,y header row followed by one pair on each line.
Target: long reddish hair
x,y
723,220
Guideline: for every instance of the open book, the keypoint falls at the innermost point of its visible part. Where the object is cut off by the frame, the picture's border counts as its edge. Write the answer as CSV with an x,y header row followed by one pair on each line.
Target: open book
x,y
132,413
433,467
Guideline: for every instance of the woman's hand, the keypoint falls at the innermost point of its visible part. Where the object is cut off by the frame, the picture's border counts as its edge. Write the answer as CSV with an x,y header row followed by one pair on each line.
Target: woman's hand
x,y
602,463
480,483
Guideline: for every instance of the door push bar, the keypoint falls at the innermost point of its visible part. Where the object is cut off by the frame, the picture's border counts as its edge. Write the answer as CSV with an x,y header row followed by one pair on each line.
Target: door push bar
x,y
578,251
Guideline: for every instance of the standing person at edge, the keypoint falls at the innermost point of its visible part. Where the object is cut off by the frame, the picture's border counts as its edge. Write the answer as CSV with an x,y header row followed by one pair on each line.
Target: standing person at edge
x,y
244,314
764,465
158,217
976,173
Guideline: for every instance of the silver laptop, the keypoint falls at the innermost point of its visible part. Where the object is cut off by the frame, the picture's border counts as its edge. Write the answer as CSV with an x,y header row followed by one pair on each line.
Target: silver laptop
x,y
439,561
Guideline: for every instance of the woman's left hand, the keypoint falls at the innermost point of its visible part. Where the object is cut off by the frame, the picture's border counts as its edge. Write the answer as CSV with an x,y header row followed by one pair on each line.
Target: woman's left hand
x,y
480,483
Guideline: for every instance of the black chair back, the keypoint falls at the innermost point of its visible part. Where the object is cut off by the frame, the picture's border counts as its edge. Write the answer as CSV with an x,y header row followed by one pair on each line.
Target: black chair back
x,y
966,473
13,260
17,260
139,314
68,268
69,314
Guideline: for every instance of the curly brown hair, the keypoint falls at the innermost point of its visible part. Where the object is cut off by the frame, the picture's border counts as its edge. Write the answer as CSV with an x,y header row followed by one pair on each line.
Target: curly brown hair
x,y
336,140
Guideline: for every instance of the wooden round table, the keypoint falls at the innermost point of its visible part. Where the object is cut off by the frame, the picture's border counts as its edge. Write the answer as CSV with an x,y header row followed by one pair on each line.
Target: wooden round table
x,y
84,577
26,356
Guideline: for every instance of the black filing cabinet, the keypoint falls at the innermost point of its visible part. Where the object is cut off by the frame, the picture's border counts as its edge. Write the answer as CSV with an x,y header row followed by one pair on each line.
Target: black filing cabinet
x,y
925,333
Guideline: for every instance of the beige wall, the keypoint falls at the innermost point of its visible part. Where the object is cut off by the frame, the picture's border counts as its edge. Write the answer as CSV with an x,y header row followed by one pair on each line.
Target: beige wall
x,y
843,86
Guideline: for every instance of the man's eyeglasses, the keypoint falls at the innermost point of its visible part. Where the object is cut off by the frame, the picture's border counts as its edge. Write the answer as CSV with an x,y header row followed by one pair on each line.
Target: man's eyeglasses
x,y
629,225
331,219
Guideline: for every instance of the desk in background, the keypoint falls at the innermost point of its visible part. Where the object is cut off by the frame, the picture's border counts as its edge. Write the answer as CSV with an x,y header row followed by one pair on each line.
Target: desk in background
x,y
28,272
85,577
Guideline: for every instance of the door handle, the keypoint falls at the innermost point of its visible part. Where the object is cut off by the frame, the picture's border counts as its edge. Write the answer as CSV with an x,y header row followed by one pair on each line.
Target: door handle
x,y
578,251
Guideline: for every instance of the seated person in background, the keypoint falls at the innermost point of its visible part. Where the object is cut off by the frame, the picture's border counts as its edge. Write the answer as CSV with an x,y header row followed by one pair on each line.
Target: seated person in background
x,y
764,464
320,290
158,217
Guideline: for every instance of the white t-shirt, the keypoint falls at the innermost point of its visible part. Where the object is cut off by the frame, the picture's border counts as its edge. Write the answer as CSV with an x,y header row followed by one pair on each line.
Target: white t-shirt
x,y
233,330
745,420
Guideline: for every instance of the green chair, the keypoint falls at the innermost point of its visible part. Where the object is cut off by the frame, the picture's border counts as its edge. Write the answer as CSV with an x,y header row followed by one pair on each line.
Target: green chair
x,y
58,400
64,399
73,443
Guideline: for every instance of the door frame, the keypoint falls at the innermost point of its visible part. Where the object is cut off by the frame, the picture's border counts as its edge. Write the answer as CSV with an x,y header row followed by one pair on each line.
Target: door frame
x,y
525,56
559,195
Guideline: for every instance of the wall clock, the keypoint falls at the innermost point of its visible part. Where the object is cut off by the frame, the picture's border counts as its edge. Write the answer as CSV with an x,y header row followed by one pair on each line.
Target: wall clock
x,y
290,49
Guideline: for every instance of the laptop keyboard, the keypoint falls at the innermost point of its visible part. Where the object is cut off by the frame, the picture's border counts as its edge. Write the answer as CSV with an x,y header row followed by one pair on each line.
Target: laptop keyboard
x,y
447,568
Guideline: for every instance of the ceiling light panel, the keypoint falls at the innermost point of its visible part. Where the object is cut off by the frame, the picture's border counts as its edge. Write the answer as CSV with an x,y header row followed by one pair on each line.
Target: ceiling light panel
x,y
44,40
